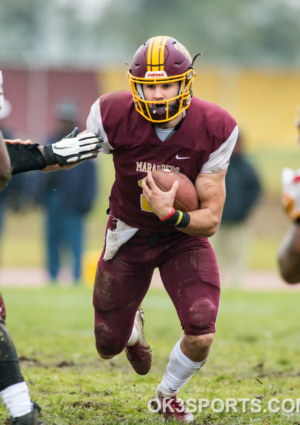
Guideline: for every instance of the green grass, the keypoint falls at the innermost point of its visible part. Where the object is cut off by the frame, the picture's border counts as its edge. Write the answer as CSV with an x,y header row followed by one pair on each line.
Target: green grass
x,y
256,354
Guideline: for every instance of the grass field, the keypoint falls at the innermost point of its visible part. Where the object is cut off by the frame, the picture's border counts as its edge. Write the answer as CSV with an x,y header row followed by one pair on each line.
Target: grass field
x,y
256,355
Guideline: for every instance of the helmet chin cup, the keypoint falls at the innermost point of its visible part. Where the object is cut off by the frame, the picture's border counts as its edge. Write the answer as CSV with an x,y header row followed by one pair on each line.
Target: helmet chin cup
x,y
159,112
163,112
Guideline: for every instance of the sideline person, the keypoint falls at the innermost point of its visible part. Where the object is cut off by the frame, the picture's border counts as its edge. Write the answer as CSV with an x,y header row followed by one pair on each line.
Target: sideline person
x,y
66,199
17,157
159,124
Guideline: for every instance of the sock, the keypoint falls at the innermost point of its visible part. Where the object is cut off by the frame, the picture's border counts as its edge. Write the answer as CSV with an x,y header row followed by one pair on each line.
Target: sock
x,y
134,336
179,370
17,400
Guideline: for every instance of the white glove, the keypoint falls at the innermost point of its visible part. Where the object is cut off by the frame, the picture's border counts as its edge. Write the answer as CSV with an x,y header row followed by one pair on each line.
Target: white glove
x,y
73,149
291,192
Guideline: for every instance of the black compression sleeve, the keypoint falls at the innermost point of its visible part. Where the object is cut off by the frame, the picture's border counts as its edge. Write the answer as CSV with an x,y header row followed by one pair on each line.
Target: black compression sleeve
x,y
25,158
10,372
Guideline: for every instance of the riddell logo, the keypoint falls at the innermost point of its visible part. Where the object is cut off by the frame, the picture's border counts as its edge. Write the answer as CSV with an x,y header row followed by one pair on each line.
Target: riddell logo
x,y
152,74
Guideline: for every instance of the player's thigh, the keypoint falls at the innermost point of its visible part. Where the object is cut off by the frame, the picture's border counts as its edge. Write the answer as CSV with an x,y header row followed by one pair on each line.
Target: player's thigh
x,y
120,284
191,278
118,292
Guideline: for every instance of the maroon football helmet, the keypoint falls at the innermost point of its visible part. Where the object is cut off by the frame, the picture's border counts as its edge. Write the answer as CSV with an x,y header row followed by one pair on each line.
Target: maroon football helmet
x,y
161,60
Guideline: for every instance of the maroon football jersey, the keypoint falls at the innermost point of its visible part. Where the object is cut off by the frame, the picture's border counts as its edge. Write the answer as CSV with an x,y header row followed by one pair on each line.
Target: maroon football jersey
x,y
137,149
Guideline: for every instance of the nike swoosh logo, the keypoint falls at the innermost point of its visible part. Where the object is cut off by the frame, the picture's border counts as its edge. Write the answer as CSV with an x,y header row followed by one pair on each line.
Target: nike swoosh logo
x,y
182,157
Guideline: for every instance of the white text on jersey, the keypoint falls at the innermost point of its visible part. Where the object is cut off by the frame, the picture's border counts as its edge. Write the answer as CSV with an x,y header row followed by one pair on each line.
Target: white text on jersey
x,y
147,166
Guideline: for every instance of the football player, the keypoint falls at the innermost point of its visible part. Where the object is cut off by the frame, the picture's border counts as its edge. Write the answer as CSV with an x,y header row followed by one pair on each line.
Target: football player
x,y
159,124
289,251
17,157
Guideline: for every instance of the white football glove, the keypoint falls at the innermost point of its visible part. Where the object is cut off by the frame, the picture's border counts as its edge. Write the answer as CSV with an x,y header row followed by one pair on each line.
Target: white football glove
x,y
73,149
291,193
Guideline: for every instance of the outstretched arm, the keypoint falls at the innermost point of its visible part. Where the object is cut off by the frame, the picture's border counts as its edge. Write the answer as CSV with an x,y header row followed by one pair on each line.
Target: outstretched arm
x,y
60,155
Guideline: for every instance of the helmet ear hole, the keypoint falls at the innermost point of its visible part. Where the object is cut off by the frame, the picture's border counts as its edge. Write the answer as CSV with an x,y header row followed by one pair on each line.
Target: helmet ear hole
x,y
180,88
139,89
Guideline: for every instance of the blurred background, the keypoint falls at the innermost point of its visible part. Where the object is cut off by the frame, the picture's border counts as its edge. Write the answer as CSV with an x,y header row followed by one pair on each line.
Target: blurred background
x,y
69,49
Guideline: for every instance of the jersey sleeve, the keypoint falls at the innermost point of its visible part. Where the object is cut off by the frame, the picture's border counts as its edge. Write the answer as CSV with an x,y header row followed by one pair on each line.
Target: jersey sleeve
x,y
94,124
219,159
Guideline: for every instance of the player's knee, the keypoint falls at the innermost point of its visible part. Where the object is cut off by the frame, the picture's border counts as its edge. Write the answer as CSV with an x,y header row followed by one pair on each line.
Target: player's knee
x,y
199,343
108,343
202,317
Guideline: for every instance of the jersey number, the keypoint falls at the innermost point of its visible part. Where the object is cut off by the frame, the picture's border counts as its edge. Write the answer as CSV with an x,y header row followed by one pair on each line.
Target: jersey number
x,y
144,204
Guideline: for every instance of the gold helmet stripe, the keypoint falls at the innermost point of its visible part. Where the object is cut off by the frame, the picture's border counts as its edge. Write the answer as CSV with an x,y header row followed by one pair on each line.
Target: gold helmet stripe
x,y
162,52
156,50
149,55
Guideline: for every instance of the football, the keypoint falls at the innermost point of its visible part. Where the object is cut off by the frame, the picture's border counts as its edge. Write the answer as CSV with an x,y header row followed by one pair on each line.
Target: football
x,y
186,197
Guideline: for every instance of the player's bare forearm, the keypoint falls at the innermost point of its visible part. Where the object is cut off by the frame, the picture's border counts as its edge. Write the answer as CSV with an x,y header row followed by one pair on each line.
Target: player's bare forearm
x,y
289,255
202,223
211,193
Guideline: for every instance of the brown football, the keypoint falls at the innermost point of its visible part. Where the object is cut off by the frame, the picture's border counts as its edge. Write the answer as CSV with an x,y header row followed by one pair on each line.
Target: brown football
x,y
186,196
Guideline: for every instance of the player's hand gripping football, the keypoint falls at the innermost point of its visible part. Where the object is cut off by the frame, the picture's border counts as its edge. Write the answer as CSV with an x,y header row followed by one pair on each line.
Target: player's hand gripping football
x,y
291,193
160,202
73,149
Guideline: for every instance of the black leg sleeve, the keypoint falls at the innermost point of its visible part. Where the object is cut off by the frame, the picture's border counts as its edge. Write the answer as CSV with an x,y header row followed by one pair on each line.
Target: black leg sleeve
x,y
10,372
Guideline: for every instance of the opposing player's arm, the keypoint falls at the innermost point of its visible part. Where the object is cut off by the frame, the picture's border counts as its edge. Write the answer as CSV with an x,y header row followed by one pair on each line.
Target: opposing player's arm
x,y
210,188
72,150
64,154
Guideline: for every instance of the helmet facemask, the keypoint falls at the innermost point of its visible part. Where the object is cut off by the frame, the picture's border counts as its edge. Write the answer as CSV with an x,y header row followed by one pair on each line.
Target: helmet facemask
x,y
171,107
